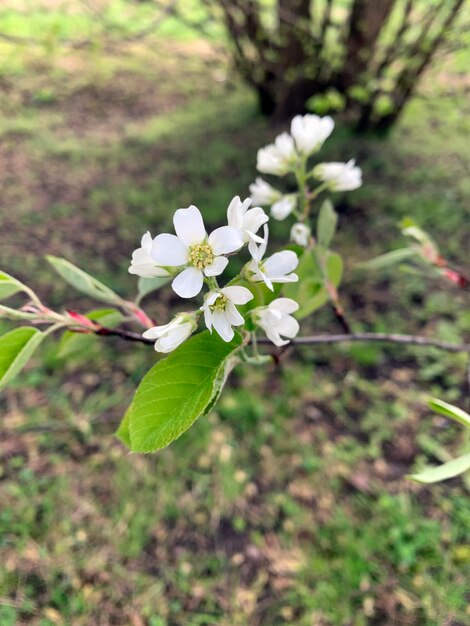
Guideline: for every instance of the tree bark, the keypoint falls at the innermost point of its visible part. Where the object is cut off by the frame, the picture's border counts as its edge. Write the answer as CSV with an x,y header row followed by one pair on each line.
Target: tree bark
x,y
367,19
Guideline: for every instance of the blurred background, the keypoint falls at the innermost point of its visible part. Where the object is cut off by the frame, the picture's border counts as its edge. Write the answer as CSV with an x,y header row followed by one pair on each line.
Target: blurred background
x,y
289,503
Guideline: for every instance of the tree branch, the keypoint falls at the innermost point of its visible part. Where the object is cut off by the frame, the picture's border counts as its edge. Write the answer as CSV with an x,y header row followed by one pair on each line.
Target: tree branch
x,y
409,340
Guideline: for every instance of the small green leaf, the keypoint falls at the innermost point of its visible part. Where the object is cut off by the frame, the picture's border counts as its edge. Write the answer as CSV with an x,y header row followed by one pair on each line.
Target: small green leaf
x,y
449,410
82,281
388,259
310,291
334,268
444,471
16,348
74,343
326,225
8,286
177,390
147,285
123,433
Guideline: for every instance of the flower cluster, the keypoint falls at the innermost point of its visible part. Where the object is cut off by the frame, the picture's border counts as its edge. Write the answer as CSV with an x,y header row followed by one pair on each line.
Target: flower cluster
x,y
290,153
191,259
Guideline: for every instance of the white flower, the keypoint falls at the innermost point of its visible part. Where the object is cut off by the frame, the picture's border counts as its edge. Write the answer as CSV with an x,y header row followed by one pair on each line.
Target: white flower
x,y
263,193
284,207
192,248
247,220
310,132
278,157
300,234
339,176
275,320
275,269
220,311
170,336
142,263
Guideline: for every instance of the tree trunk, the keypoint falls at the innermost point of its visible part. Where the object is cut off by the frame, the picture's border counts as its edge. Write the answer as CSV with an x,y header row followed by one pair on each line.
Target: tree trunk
x,y
367,19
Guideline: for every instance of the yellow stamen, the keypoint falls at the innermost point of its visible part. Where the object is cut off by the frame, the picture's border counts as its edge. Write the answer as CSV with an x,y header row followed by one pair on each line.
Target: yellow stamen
x,y
219,304
201,255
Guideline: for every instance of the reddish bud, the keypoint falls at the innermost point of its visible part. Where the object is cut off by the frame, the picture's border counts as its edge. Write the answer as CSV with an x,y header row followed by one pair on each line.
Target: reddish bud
x,y
82,320
455,277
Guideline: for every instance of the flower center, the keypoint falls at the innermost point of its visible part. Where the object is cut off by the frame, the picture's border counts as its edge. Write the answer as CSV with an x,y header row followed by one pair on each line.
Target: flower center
x,y
219,304
201,255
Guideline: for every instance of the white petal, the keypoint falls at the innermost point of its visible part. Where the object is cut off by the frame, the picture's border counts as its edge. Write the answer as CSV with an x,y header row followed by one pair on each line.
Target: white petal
x,y
169,250
174,339
189,283
222,325
210,299
275,337
233,316
285,305
266,280
225,240
217,266
254,218
257,252
189,225
146,241
237,294
156,331
208,318
236,210
283,207
288,326
281,263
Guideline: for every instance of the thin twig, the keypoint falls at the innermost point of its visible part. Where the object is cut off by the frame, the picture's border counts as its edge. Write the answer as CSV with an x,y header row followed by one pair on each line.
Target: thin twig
x,y
410,340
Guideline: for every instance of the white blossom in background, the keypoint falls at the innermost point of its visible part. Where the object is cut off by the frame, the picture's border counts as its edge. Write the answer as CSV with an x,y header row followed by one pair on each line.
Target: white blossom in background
x,y
310,132
248,221
199,255
277,268
220,311
339,176
276,320
171,335
263,193
279,157
300,234
284,206
142,263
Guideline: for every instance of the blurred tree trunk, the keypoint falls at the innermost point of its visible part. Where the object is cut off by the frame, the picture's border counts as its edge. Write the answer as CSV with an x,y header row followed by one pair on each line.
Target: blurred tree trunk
x,y
369,57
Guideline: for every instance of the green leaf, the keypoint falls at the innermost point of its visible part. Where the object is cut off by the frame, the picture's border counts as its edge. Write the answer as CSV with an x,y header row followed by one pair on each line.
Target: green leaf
x,y
334,268
310,291
82,281
177,390
444,471
147,285
16,348
8,286
449,410
326,225
123,433
74,343
388,259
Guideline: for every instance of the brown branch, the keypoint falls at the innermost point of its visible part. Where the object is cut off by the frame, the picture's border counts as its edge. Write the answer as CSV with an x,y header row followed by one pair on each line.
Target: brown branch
x,y
409,340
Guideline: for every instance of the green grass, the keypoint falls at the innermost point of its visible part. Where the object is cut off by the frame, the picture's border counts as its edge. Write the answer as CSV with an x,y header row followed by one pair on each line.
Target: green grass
x,y
289,504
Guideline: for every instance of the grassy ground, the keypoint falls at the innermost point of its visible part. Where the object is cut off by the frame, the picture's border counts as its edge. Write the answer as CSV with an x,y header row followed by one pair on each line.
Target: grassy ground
x,y
288,505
